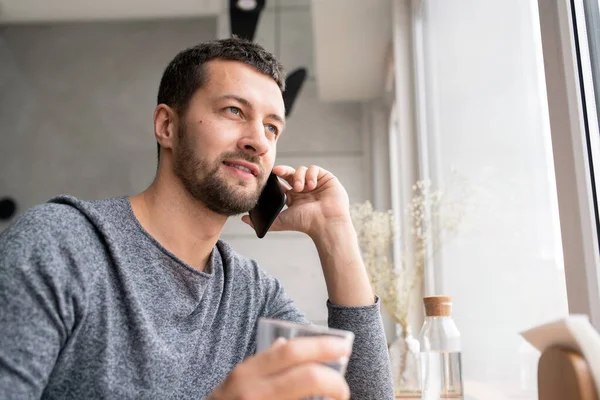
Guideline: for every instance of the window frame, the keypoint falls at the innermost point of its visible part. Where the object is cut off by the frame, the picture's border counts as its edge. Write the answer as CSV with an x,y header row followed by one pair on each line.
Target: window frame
x,y
573,116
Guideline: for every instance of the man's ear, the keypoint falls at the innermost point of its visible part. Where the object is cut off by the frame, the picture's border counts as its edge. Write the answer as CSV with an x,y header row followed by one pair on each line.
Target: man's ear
x,y
165,125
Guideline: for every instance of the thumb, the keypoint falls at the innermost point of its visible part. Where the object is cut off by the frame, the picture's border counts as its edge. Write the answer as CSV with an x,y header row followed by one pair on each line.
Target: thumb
x,y
281,223
246,219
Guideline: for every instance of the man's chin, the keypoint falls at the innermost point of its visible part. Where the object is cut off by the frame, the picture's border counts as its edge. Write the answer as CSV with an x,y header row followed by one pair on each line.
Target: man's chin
x,y
230,197
246,199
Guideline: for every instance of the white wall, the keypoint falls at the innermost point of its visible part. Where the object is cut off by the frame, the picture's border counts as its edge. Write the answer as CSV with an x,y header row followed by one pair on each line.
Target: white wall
x,y
487,117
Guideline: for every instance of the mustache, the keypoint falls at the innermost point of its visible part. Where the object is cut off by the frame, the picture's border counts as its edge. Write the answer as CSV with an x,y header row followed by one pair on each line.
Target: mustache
x,y
245,157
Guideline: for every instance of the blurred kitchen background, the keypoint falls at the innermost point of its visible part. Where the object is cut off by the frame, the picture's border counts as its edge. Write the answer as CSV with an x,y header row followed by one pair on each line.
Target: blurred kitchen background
x,y
396,91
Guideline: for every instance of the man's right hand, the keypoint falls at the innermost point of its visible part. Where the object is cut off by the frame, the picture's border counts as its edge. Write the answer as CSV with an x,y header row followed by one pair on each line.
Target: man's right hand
x,y
289,370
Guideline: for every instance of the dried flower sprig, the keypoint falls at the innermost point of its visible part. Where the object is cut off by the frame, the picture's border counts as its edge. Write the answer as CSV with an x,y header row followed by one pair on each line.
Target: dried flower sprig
x,y
433,217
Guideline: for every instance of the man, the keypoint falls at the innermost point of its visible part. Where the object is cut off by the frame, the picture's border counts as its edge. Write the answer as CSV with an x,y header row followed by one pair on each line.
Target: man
x,y
136,297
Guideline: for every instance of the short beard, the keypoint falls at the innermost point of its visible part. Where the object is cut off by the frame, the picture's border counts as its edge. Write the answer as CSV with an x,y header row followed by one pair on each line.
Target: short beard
x,y
203,183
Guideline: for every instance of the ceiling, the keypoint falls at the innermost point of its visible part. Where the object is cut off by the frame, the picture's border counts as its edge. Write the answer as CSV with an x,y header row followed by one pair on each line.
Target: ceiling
x,y
352,45
19,11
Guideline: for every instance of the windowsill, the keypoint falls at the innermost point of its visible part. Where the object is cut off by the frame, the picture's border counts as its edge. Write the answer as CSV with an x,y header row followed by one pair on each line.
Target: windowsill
x,y
478,390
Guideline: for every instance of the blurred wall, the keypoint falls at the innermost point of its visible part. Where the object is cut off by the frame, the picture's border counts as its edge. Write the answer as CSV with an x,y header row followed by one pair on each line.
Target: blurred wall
x,y
76,105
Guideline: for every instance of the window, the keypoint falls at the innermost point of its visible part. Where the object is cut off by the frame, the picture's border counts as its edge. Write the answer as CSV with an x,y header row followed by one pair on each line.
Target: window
x,y
504,100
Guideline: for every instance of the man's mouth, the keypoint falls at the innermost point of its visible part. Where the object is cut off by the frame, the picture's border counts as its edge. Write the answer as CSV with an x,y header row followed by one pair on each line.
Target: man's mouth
x,y
243,166
238,167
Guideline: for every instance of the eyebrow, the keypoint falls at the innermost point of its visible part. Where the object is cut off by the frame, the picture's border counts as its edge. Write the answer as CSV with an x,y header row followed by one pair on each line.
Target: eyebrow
x,y
246,103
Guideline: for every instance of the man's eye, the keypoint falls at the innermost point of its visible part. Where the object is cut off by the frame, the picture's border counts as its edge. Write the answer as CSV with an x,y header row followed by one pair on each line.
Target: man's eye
x,y
234,110
272,128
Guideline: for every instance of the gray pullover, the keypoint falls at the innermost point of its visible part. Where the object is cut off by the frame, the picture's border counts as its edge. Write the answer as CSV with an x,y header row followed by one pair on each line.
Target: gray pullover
x,y
92,307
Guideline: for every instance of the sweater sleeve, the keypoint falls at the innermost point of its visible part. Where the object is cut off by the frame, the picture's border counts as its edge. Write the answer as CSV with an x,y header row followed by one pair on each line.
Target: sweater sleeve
x,y
369,373
34,311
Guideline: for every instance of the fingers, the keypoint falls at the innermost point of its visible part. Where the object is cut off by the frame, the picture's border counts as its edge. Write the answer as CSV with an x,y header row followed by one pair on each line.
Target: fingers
x,y
312,174
299,351
308,380
284,171
301,178
289,370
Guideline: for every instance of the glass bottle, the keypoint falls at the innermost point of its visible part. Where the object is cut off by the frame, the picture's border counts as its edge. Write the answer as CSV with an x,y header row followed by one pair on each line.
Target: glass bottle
x,y
440,352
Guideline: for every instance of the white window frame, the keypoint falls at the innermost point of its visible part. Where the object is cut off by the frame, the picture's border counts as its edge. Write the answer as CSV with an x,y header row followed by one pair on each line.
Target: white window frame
x,y
572,111
409,148
412,115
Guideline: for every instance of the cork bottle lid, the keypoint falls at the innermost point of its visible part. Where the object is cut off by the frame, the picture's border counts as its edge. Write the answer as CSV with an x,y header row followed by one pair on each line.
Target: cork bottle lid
x,y
438,306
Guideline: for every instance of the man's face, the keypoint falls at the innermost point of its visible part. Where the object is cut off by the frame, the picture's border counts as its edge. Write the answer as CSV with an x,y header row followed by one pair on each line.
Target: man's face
x,y
226,141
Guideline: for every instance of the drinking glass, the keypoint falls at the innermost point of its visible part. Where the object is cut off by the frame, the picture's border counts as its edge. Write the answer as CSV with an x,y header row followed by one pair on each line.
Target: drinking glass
x,y
270,330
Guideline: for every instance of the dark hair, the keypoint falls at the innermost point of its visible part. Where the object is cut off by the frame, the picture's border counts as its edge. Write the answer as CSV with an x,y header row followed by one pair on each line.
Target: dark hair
x,y
185,73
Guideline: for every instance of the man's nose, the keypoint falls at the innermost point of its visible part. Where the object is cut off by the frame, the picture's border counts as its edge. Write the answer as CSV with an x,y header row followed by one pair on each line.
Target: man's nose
x,y
254,141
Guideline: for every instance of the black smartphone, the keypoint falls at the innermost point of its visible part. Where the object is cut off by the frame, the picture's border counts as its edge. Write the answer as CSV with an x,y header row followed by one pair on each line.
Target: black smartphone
x,y
270,203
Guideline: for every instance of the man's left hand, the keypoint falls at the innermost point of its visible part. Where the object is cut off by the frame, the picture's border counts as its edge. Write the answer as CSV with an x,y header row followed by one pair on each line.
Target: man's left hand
x,y
317,198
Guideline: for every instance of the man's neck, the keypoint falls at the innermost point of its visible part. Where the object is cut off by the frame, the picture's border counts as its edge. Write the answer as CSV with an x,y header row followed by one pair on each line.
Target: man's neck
x,y
178,222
